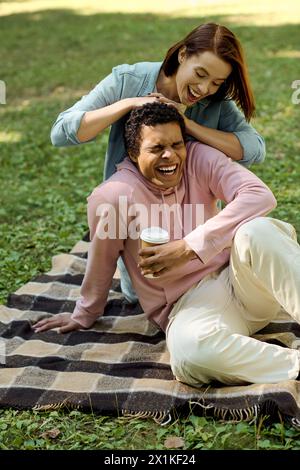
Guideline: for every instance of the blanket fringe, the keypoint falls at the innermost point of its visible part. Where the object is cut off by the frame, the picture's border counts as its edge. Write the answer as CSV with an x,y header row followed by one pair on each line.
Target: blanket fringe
x,y
55,406
234,415
295,422
160,417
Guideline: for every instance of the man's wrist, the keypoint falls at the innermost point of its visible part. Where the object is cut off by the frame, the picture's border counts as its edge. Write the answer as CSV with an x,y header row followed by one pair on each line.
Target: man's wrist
x,y
190,254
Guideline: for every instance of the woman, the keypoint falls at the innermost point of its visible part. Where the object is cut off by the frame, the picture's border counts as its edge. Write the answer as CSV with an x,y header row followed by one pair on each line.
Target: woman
x,y
204,76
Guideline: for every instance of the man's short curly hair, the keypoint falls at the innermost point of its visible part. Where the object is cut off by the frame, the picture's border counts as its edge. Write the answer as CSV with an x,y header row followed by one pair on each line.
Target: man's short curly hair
x,y
150,114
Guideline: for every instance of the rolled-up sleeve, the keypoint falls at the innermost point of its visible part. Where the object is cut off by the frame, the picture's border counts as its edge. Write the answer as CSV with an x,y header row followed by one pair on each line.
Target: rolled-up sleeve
x,y
253,144
64,130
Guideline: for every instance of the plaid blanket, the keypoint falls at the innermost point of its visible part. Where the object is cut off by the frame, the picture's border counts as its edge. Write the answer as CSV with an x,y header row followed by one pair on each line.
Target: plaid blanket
x,y
119,366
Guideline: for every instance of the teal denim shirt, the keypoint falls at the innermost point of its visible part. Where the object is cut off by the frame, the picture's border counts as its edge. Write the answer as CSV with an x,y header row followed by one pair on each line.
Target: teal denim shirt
x,y
127,81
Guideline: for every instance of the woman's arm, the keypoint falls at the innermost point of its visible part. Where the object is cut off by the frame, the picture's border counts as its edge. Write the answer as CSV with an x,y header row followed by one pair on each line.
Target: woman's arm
x,y
226,142
233,135
232,121
94,122
111,99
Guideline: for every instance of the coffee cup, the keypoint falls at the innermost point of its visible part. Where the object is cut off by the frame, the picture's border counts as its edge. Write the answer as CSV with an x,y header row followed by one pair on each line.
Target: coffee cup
x,y
152,236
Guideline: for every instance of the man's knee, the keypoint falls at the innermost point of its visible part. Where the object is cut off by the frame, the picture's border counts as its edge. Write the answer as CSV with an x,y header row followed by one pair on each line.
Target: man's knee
x,y
252,239
255,228
264,232
200,357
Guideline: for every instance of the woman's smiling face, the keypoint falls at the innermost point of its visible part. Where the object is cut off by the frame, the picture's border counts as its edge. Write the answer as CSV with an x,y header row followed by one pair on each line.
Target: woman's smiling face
x,y
199,76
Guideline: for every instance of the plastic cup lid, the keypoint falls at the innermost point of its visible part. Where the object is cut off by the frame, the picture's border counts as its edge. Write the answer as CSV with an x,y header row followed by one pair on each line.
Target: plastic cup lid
x,y
155,235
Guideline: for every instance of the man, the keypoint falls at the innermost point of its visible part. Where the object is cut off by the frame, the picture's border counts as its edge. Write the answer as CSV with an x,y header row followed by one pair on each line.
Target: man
x,y
216,282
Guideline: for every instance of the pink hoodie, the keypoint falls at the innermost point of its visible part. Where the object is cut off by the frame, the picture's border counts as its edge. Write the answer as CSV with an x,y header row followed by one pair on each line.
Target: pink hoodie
x,y
208,176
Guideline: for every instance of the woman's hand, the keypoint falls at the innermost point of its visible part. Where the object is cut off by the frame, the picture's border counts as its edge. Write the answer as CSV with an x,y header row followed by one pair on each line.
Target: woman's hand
x,y
179,106
141,100
62,320
159,259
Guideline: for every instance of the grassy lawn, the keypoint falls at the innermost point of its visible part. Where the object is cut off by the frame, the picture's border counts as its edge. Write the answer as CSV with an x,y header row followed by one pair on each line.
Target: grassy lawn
x,y
51,54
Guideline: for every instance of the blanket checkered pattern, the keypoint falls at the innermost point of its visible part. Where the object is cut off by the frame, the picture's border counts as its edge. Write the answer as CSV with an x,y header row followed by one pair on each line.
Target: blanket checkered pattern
x,y
119,366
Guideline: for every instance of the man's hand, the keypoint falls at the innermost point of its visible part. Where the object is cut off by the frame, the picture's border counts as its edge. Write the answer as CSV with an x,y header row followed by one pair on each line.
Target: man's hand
x,y
62,320
159,259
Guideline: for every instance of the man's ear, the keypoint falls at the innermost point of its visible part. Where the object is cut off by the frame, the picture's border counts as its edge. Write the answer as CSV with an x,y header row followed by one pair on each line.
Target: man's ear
x,y
181,54
134,159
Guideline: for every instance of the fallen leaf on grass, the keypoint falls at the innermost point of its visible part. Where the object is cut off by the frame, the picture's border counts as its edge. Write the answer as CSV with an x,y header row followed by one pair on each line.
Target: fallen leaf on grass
x,y
52,433
174,442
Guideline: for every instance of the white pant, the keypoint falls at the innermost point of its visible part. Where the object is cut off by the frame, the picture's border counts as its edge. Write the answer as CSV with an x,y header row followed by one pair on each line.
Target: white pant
x,y
208,334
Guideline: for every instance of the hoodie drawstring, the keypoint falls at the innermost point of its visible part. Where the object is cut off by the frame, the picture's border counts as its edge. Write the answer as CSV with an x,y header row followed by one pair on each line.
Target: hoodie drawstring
x,y
178,213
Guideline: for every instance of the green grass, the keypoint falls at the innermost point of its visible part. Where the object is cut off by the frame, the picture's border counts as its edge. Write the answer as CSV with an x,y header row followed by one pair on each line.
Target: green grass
x,y
49,58
74,430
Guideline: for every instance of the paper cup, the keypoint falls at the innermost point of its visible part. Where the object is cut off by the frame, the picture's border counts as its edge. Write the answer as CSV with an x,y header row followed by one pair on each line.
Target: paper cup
x,y
153,236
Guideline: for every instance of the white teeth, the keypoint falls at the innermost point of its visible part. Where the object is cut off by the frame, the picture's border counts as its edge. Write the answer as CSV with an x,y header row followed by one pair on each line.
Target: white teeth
x,y
196,95
168,168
